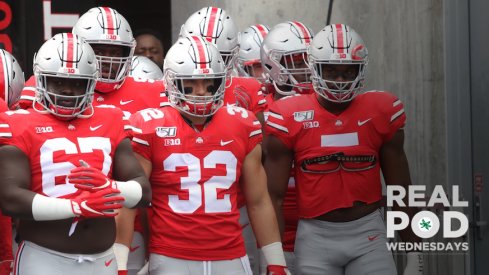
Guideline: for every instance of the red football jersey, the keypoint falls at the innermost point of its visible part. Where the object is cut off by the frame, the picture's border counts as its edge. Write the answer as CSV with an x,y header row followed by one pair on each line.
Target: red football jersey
x,y
28,95
3,106
245,92
54,147
195,180
336,156
134,95
5,238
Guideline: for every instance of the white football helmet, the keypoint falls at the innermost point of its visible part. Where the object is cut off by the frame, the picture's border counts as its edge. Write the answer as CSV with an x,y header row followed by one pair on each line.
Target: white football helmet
x,y
142,67
337,44
65,55
250,41
103,25
193,57
284,56
11,79
216,26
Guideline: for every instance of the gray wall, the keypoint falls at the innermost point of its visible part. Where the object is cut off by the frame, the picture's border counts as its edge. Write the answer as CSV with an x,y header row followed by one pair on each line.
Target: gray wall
x,y
313,13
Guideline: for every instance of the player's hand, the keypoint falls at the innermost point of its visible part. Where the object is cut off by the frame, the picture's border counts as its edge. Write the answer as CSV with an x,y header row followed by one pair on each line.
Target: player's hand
x,y
144,270
97,204
414,263
277,270
89,179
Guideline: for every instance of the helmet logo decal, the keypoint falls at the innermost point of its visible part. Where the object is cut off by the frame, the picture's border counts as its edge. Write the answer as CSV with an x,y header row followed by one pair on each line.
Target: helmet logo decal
x,y
359,52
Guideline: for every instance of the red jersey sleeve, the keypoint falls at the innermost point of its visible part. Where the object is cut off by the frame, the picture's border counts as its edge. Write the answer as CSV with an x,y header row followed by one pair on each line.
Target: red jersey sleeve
x,y
3,106
254,132
391,114
11,130
143,124
278,123
28,94
258,102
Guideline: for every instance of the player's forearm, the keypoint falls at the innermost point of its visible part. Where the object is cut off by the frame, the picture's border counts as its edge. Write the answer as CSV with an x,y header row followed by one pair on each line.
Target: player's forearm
x,y
263,220
17,203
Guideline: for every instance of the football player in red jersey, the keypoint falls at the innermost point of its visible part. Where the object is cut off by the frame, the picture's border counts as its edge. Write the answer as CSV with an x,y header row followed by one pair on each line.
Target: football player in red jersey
x,y
217,26
11,84
110,35
195,152
285,66
339,141
64,169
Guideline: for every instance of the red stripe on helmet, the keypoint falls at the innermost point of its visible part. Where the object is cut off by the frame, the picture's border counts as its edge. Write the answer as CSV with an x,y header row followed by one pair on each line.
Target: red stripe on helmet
x,y
200,51
70,40
262,30
211,24
305,32
340,38
110,20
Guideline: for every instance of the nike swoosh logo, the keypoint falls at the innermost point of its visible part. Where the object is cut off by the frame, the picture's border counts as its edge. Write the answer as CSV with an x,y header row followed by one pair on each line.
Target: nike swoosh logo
x,y
107,263
95,128
224,143
371,238
132,249
360,123
86,207
125,102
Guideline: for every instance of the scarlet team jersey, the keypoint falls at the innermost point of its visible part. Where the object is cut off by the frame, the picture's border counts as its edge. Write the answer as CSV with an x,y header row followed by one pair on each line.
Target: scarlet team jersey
x,y
28,95
5,222
54,147
3,106
134,95
336,157
195,180
5,239
245,92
